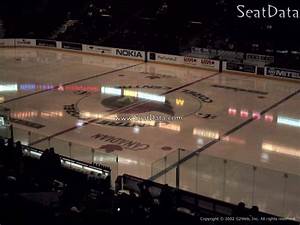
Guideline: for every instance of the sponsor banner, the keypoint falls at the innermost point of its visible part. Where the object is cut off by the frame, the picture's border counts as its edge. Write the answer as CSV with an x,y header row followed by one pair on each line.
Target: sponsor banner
x,y
184,60
239,67
97,50
25,42
222,54
204,51
282,73
46,43
72,46
259,58
231,56
201,63
164,58
127,53
7,42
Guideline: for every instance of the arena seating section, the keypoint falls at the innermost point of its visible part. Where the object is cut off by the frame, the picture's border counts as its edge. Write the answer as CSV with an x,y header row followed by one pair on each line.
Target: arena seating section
x,y
166,26
43,191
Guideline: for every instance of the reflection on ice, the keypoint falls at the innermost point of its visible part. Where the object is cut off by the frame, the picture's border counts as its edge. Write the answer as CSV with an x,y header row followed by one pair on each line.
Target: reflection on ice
x,y
288,121
8,87
130,93
267,146
206,133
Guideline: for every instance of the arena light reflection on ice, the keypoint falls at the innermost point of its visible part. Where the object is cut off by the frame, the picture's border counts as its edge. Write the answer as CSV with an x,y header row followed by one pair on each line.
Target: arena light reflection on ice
x,y
80,123
8,87
288,121
206,133
170,126
151,97
130,93
268,146
143,95
111,91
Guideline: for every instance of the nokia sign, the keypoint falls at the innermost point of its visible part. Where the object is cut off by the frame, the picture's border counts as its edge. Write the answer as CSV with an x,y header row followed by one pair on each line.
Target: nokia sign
x,y
129,53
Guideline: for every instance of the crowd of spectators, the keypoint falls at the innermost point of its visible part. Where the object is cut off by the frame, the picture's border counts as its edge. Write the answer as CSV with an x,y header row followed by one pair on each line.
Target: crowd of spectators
x,y
43,191
167,26
159,25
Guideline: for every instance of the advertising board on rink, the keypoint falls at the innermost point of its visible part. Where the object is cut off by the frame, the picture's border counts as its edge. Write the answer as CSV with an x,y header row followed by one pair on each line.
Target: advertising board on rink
x,y
184,60
25,42
97,50
7,42
238,67
128,53
46,43
260,58
72,46
201,63
165,58
282,73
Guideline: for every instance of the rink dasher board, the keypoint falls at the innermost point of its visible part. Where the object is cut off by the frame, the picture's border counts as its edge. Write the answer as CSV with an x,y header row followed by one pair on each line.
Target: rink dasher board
x,y
187,61
175,60
113,52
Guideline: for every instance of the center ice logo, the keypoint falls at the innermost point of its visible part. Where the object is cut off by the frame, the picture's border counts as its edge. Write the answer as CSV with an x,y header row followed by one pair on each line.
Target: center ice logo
x,y
124,101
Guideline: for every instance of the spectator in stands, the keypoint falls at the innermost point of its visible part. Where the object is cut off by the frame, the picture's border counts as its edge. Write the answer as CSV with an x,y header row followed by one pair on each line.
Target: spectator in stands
x,y
55,162
254,211
44,155
2,143
44,159
44,169
50,164
18,157
19,152
133,202
145,196
241,209
10,143
2,148
9,155
165,199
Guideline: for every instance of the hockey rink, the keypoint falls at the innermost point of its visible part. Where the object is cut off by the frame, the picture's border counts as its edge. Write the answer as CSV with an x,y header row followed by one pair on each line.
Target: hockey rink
x,y
98,109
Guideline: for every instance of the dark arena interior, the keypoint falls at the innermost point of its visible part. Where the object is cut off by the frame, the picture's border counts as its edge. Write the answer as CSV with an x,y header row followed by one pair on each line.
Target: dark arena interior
x,y
149,112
